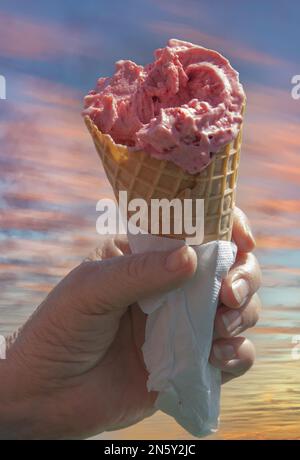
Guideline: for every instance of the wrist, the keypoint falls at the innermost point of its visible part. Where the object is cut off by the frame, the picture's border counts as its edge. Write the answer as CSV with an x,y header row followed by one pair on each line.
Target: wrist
x,y
23,413
14,417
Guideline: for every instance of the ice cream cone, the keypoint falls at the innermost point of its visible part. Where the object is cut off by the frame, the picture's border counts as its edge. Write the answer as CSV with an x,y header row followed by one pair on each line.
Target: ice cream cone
x,y
143,176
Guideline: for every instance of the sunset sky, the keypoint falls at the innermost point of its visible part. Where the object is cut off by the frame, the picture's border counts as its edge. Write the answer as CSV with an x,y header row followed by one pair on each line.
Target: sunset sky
x,y
51,54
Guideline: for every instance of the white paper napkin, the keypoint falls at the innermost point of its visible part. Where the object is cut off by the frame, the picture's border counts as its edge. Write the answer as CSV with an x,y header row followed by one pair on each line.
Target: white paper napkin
x,y
179,333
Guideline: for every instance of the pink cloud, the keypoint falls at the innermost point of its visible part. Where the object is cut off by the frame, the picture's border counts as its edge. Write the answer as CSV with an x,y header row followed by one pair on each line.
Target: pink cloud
x,y
42,91
50,147
273,207
49,160
22,37
228,47
269,241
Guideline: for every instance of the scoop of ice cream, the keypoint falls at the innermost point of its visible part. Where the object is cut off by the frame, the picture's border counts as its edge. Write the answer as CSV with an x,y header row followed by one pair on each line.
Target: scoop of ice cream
x,y
184,107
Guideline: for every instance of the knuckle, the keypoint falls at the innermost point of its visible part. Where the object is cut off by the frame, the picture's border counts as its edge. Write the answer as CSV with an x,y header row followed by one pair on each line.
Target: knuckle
x,y
220,328
226,334
249,358
254,319
250,265
109,248
102,250
255,308
249,318
121,242
249,269
248,363
244,366
105,246
247,262
98,253
246,356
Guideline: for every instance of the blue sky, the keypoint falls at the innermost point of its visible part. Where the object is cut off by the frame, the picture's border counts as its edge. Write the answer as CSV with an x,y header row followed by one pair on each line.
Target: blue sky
x,y
51,54
116,29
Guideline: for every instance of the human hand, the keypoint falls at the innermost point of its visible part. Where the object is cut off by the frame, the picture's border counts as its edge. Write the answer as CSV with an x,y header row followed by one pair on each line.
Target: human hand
x,y
76,368
239,306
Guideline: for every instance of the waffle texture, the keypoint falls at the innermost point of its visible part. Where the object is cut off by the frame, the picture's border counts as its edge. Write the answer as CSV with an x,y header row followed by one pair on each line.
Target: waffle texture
x,y
143,176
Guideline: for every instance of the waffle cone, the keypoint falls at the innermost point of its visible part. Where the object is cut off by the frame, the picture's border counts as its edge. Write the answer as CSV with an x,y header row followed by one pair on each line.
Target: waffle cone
x,y
143,176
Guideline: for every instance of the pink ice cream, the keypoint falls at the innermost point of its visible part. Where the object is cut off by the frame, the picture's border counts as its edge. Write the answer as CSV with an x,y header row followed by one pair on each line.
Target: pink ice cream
x,y
183,107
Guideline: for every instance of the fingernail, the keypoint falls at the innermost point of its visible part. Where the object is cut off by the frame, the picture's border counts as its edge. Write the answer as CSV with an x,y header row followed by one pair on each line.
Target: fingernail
x,y
232,320
178,259
240,289
224,353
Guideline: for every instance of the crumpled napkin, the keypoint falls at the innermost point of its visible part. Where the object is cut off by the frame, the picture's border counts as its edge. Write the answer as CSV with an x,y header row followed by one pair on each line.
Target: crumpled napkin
x,y
179,332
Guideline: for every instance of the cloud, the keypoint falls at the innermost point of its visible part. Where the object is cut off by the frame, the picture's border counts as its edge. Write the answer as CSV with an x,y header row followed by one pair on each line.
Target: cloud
x,y
228,47
282,269
269,183
49,122
50,93
39,220
274,207
24,38
188,10
266,100
50,181
288,330
53,177
48,146
289,173
269,241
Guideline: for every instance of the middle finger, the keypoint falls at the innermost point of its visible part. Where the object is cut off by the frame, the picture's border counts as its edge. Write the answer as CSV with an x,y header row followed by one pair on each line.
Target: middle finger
x,y
231,322
242,281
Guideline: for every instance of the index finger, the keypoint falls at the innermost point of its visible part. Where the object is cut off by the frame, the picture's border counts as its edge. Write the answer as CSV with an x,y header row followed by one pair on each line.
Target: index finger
x,y
121,242
241,231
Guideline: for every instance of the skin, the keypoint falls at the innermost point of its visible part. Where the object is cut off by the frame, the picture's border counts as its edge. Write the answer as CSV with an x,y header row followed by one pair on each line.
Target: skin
x,y
75,368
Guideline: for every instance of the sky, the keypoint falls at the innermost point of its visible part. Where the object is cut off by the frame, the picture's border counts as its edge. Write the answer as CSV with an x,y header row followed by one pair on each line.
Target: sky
x,y
51,54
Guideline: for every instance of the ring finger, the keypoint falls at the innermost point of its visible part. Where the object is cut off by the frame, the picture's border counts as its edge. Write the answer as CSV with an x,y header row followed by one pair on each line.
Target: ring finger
x,y
231,322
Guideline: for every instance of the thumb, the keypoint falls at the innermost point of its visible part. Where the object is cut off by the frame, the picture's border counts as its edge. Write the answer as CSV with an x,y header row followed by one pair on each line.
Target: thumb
x,y
101,291
79,319
118,282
